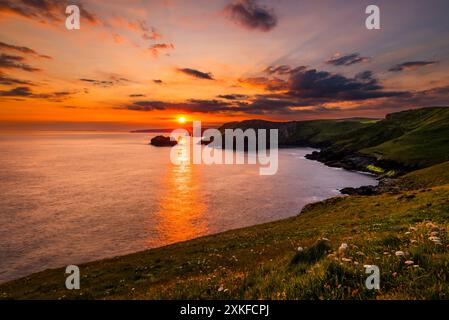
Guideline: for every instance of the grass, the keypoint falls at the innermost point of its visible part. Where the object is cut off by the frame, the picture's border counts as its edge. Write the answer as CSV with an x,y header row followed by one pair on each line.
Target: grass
x,y
263,261
414,138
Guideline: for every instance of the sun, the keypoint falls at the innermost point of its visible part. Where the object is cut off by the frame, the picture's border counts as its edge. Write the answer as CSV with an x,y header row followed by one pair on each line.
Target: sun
x,y
181,119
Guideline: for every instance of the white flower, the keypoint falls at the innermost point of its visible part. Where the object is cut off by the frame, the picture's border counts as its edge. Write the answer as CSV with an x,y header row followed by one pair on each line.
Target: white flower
x,y
220,289
343,247
399,253
346,259
409,262
300,249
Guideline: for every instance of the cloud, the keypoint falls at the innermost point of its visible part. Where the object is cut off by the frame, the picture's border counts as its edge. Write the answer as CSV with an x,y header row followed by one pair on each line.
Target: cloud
x,y
15,62
232,96
43,10
410,65
283,70
117,38
136,95
271,84
251,15
112,80
191,105
24,50
196,73
347,60
26,92
313,84
8,81
157,48
149,33
158,81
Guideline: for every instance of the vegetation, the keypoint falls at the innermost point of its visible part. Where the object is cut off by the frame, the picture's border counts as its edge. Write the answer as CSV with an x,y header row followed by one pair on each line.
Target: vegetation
x,y
413,138
319,254
404,233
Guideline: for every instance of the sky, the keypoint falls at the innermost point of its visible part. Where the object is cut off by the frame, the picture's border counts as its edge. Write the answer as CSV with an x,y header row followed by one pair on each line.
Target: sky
x,y
139,64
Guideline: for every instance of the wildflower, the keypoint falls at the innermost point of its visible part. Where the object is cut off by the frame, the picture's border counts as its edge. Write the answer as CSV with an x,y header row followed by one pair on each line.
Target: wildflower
x,y
399,253
409,262
343,247
300,249
220,289
346,259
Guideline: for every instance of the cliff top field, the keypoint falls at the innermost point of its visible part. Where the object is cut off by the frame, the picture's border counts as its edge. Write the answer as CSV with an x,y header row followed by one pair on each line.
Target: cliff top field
x,y
403,230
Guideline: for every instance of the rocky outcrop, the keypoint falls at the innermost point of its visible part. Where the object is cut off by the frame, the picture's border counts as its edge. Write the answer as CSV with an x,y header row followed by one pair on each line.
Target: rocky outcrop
x,y
360,191
161,141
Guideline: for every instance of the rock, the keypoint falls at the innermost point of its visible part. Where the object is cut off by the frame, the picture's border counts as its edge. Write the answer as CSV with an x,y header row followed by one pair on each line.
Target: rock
x,y
161,141
361,191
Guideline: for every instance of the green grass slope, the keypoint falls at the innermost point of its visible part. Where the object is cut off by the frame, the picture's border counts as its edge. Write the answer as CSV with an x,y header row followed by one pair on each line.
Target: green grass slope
x,y
413,138
405,234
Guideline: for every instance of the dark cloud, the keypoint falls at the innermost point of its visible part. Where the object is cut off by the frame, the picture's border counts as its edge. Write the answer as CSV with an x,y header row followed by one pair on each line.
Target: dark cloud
x,y
251,15
192,105
21,49
306,92
196,74
158,81
157,48
347,60
283,70
26,92
271,84
410,65
313,84
15,62
44,10
111,81
233,96
136,95
8,81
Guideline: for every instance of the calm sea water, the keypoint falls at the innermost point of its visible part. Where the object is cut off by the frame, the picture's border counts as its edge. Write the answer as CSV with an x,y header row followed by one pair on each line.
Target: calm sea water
x,y
72,197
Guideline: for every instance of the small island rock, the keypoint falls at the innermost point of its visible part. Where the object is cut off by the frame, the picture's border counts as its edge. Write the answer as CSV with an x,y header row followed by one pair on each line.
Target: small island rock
x,y
161,141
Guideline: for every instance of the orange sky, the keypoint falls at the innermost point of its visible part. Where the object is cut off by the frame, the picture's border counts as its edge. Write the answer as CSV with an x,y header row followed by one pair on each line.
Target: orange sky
x,y
139,64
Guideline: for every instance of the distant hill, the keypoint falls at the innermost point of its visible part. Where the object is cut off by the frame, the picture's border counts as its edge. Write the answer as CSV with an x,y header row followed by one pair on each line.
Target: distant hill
x,y
403,141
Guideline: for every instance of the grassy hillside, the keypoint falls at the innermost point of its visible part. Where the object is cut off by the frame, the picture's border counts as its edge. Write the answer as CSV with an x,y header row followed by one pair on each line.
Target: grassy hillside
x,y
409,139
413,138
404,234
313,133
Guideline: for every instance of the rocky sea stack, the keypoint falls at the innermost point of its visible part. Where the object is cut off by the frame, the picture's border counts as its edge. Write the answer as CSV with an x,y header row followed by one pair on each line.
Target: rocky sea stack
x,y
162,141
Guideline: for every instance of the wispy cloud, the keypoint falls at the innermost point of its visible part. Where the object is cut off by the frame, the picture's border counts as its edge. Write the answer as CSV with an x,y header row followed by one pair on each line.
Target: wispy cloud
x,y
410,65
112,80
196,73
157,48
43,10
15,62
24,50
26,92
347,60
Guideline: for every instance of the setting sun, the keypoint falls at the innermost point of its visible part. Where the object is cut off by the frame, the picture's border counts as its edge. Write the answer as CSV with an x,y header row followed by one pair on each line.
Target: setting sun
x,y
181,120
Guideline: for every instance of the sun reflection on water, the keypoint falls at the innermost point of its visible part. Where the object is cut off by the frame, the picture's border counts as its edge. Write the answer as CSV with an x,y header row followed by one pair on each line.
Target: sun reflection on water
x,y
181,213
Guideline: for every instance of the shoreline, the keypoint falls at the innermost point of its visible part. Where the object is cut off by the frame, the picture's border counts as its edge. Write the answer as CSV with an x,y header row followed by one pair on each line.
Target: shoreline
x,y
341,194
